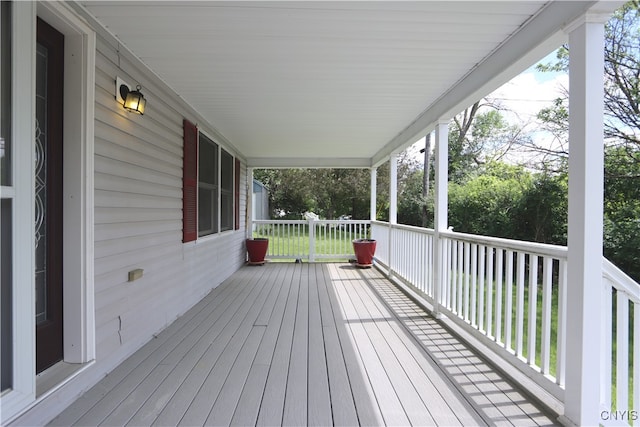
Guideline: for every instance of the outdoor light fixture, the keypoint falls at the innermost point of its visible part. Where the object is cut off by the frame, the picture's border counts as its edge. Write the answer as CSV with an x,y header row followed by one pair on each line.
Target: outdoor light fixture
x,y
134,100
131,100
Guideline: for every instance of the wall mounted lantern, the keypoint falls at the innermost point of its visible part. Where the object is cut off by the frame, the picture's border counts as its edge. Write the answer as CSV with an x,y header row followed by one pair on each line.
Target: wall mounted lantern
x,y
131,100
135,101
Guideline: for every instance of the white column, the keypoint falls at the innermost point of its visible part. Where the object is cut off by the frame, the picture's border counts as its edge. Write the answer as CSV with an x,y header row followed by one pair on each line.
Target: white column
x,y
374,193
440,208
250,202
393,207
586,176
393,189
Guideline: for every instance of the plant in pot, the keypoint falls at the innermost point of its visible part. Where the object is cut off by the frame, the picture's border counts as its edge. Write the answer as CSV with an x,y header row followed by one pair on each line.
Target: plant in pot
x,y
257,250
364,250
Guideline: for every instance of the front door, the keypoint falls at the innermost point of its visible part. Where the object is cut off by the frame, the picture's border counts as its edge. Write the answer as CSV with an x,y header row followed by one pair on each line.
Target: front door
x,y
48,201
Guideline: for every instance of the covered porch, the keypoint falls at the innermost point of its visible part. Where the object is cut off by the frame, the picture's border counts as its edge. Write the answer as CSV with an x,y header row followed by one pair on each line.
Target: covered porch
x,y
295,85
306,344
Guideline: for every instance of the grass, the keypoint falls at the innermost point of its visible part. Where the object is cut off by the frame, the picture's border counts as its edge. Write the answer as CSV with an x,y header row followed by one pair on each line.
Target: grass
x,y
293,242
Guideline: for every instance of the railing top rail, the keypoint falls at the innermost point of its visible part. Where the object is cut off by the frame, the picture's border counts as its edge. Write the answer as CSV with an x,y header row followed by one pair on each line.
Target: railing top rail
x,y
414,228
280,221
555,251
316,221
620,280
342,221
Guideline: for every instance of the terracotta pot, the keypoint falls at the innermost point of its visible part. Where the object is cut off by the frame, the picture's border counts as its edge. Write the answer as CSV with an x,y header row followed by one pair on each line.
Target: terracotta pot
x,y
257,250
364,250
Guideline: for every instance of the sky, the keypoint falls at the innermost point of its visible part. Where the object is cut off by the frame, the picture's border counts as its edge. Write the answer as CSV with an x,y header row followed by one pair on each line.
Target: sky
x,y
524,96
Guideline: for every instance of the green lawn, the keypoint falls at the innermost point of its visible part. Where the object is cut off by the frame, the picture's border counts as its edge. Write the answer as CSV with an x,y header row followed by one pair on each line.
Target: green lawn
x,y
293,242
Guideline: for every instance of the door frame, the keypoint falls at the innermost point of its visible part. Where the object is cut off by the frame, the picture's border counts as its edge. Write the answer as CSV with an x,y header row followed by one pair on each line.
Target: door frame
x,y
78,199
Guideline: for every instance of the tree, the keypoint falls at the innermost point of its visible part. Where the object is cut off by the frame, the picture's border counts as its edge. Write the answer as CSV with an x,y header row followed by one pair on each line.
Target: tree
x,y
326,192
621,131
621,86
288,191
542,210
486,203
480,136
622,209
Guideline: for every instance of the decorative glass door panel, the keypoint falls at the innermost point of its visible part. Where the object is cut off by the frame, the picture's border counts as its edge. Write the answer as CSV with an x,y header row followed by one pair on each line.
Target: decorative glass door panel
x,y
48,195
41,184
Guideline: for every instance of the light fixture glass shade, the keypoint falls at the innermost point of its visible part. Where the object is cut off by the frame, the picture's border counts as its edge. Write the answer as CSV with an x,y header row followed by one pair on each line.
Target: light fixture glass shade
x,y
135,101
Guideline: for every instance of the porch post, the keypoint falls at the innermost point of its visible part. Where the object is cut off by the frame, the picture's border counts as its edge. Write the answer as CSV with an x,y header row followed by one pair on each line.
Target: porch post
x,y
440,209
374,192
393,189
393,206
585,228
250,202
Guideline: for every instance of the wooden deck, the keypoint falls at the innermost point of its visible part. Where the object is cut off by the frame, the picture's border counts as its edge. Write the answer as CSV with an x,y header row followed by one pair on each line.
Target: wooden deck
x,y
304,344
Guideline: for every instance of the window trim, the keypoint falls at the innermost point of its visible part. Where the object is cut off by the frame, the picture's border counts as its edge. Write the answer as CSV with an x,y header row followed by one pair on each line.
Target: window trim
x,y
229,192
191,186
212,187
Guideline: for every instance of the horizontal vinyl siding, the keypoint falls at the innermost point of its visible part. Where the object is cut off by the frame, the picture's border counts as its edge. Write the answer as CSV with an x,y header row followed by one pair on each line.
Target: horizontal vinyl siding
x,y
138,218
138,224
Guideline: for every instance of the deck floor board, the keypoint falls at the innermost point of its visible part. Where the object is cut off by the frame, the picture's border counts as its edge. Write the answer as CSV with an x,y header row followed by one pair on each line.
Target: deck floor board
x,y
305,344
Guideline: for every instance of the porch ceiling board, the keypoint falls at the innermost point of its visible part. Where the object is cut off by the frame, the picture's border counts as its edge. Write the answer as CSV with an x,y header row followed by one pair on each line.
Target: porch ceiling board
x,y
304,344
305,80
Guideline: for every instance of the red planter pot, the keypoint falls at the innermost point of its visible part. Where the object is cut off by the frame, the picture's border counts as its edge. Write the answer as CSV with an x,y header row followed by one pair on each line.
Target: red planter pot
x,y
364,250
257,250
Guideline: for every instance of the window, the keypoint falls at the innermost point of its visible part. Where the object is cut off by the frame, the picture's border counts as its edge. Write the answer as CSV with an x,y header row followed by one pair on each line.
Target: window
x,y
226,191
209,184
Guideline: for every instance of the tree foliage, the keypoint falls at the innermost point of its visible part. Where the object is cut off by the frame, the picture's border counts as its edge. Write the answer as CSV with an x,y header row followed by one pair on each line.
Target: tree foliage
x,y
621,84
479,136
326,192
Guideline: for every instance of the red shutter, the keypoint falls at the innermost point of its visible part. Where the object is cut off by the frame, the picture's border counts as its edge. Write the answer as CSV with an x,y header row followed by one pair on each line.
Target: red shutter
x,y
236,205
190,182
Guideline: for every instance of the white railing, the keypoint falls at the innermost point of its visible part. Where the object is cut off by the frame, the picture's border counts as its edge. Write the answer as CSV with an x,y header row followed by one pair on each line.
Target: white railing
x,y
487,287
513,294
311,240
510,294
407,249
620,381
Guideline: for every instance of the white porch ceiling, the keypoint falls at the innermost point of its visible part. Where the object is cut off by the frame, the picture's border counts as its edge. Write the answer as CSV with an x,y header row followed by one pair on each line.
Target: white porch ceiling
x,y
299,83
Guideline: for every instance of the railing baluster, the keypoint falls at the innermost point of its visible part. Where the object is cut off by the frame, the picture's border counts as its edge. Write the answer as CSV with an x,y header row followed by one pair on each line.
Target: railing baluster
x,y
622,352
481,286
508,309
636,361
607,345
460,278
474,283
533,309
467,278
547,301
520,304
489,290
454,276
561,355
499,276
